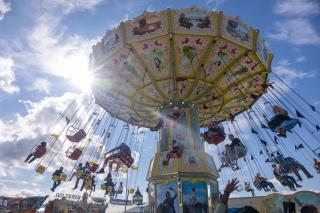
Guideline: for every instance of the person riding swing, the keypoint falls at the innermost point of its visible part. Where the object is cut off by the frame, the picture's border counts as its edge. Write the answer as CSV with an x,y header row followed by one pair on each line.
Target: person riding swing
x,y
38,153
281,122
122,153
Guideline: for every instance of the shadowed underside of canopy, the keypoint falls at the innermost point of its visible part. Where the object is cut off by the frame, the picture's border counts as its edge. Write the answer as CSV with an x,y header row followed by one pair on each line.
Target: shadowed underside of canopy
x,y
191,55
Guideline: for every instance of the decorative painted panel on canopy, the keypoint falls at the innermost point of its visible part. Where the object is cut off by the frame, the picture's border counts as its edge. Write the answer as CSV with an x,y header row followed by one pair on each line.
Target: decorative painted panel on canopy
x,y
190,55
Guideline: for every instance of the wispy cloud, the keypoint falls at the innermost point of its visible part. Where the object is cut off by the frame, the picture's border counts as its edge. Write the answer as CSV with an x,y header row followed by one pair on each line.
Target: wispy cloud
x,y
55,52
297,7
34,123
297,28
5,7
290,74
67,6
215,4
41,85
297,31
7,76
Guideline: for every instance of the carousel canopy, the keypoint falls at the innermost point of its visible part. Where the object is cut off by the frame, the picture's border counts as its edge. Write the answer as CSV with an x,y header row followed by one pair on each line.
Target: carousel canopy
x,y
216,62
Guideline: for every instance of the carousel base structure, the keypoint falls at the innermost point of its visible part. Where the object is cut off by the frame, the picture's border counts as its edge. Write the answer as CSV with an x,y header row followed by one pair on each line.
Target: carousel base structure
x,y
185,184
182,176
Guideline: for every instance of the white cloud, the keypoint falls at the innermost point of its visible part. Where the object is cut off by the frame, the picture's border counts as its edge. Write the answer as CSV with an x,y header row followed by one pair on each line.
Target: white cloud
x,y
7,76
56,53
290,74
297,7
35,122
68,6
301,58
215,4
297,31
4,8
19,191
41,85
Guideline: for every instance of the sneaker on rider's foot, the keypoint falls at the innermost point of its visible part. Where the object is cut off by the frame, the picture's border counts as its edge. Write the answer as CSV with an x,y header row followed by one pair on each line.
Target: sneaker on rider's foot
x,y
101,171
297,185
292,189
311,176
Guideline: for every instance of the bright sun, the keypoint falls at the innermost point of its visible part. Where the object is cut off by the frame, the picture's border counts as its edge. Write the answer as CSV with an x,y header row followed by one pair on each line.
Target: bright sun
x,y
76,69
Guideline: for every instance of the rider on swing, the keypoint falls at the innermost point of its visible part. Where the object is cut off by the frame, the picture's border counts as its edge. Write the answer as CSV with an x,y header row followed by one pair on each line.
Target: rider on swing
x,y
109,183
316,165
281,122
248,188
176,150
38,153
264,183
283,178
235,148
122,148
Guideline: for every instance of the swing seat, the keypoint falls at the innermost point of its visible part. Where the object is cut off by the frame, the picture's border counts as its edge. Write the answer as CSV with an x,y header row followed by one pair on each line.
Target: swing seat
x,y
88,185
78,173
134,167
40,169
120,190
282,121
103,186
94,166
38,153
215,139
109,188
63,177
56,178
215,135
241,151
75,153
126,159
75,135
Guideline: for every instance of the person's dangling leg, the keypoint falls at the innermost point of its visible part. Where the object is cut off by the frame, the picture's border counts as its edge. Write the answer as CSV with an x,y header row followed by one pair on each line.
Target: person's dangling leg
x,y
83,184
272,186
77,183
70,179
59,182
252,192
29,156
291,179
295,171
105,162
305,171
32,159
54,186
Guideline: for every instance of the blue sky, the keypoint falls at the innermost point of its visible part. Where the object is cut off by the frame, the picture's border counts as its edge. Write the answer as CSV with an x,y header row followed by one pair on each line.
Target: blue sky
x,y
44,49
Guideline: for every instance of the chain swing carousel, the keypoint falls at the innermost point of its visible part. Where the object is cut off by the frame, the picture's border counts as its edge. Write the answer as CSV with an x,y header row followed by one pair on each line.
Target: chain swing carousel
x,y
179,73
175,71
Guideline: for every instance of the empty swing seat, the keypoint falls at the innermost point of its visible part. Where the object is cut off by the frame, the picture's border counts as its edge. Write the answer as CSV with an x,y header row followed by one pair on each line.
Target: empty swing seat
x,y
40,169
126,159
75,154
77,136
